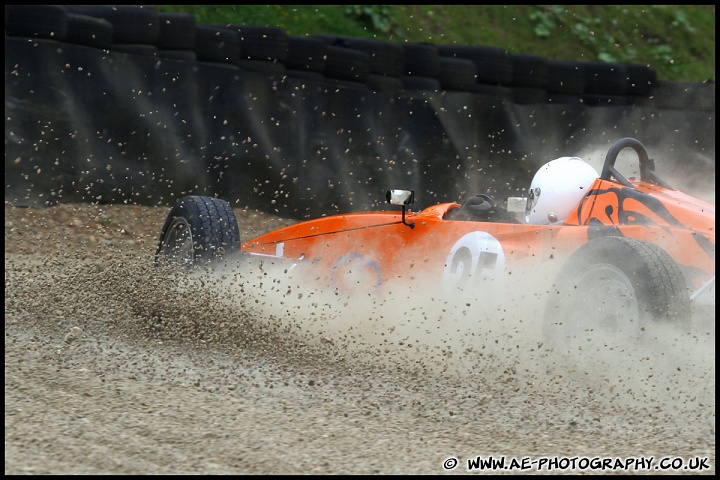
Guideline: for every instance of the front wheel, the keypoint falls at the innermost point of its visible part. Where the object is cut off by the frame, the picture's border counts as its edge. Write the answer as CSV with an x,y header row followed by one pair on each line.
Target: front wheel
x,y
198,230
615,288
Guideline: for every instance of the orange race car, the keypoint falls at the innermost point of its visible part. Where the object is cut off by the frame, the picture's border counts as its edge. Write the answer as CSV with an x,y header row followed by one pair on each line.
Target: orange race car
x,y
620,252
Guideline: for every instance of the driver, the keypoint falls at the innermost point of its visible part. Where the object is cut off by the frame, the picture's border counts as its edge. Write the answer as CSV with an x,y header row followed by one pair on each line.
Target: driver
x,y
556,190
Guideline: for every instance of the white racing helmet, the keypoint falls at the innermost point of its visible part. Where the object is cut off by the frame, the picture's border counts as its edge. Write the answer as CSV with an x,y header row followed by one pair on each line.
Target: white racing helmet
x,y
557,188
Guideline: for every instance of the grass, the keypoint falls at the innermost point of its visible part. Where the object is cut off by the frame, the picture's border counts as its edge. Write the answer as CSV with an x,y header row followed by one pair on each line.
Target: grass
x,y
678,41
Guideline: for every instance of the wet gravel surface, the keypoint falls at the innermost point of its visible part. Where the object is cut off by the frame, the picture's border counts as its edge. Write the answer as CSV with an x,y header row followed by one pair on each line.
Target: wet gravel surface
x,y
114,367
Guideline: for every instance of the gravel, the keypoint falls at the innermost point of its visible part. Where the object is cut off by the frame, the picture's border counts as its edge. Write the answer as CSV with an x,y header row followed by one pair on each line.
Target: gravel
x,y
115,367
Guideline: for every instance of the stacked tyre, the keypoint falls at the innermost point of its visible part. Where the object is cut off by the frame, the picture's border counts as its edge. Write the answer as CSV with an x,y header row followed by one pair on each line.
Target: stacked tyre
x,y
349,62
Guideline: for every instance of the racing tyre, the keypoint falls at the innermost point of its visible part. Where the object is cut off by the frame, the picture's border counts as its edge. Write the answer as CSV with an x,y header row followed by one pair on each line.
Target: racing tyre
x,y
198,231
614,288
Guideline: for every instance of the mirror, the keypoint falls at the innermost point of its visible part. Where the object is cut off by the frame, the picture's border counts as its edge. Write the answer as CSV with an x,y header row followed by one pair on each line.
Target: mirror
x,y
516,204
400,197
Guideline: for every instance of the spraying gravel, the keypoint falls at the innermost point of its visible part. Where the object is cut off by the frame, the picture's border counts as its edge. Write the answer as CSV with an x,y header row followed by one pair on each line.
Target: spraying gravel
x,y
115,367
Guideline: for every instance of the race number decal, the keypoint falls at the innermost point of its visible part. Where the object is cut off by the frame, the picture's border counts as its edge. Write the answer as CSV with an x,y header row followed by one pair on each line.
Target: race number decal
x,y
475,257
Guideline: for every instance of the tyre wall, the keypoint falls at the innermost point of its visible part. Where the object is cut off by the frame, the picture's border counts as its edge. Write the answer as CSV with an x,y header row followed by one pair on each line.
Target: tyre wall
x,y
98,110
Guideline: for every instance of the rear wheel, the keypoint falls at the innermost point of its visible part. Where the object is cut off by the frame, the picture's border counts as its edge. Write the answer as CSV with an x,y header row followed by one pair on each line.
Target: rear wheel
x,y
615,288
198,230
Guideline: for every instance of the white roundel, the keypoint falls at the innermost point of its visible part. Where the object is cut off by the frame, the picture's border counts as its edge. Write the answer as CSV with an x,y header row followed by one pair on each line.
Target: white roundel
x,y
475,257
